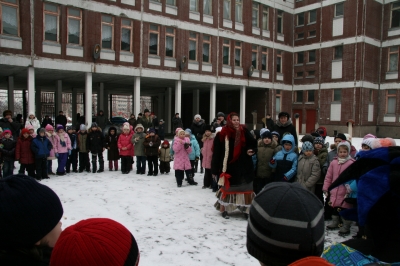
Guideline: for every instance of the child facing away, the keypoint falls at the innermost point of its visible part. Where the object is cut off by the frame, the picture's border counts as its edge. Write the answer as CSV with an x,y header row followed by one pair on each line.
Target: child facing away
x,y
53,138
285,160
95,145
72,159
308,169
112,148
137,140
266,151
7,150
165,158
63,149
337,195
41,147
125,148
24,153
84,163
207,152
182,148
151,144
194,156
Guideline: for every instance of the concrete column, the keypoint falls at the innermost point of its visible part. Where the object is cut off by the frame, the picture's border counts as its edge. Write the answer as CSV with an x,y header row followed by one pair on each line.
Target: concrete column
x,y
136,96
196,99
168,107
178,97
10,93
74,107
213,95
58,98
100,97
242,104
31,90
88,98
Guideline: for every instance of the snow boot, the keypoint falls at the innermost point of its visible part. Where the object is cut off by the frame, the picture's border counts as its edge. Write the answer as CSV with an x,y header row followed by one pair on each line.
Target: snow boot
x,y
201,170
334,224
345,229
225,215
191,180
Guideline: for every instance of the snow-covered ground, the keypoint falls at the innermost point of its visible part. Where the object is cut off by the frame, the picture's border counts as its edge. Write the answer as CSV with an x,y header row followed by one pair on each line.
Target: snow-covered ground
x,y
173,226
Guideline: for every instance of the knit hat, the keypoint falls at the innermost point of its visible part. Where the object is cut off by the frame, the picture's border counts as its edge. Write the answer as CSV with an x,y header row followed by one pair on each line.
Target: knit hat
x,y
286,223
7,131
265,134
341,136
94,124
307,137
344,143
161,120
69,128
40,130
315,135
165,142
25,131
368,142
82,127
28,211
59,127
126,126
368,136
218,129
29,127
197,116
319,140
152,130
284,114
207,128
146,111
307,146
49,127
219,114
178,129
139,126
274,133
7,112
96,241
188,131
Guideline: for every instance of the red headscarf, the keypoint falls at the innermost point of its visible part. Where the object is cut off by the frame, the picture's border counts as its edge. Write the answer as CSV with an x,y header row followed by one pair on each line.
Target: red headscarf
x,y
233,134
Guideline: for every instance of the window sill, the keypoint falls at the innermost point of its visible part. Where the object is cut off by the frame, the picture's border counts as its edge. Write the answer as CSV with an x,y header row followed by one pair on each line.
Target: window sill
x,y
309,102
125,56
299,39
169,62
207,67
208,19
299,26
173,10
310,63
51,47
154,60
239,26
298,77
128,2
74,50
311,37
310,77
227,23
8,41
226,69
338,17
312,23
238,71
156,6
194,15
299,64
337,60
107,54
193,65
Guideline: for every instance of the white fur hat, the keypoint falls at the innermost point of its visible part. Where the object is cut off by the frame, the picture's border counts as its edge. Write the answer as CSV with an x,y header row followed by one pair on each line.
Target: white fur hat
x,y
197,116
126,126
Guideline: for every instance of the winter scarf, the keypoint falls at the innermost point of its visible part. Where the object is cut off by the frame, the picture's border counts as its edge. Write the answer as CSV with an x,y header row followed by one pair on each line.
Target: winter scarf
x,y
230,132
343,160
62,139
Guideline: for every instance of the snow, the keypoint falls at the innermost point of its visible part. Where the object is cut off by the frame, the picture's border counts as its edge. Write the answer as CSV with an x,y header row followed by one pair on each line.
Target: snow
x,y
172,226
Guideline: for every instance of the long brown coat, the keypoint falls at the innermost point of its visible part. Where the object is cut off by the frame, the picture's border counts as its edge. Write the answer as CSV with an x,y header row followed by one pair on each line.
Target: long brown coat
x,y
308,171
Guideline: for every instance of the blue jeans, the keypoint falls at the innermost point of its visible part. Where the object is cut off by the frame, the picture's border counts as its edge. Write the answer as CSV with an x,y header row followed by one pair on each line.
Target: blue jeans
x,y
8,168
141,164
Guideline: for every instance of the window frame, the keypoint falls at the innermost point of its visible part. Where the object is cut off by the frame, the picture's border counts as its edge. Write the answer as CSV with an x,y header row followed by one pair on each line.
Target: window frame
x,y
279,30
131,35
310,35
171,35
80,25
340,95
226,43
390,52
308,96
156,32
255,10
238,47
300,58
207,42
254,50
229,13
298,17
371,95
205,12
336,10
239,6
279,55
264,53
196,40
309,16
315,56
309,73
335,53
50,13
12,5
392,8
197,6
297,94
265,17
388,96
112,24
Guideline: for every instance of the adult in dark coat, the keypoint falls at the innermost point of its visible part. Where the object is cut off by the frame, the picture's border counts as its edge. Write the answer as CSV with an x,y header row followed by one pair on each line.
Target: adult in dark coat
x,y
8,122
95,144
61,119
47,121
161,129
219,121
101,120
268,122
145,120
154,121
198,129
132,121
176,122
284,124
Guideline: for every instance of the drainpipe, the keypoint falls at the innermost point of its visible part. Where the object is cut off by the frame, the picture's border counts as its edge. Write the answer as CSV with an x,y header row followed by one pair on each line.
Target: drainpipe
x,y
380,72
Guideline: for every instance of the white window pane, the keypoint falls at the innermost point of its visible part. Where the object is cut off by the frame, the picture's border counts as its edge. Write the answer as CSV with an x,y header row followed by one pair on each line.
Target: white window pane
x,y
106,35
206,52
278,104
193,5
74,29
207,7
171,2
107,19
74,12
227,9
391,105
265,21
51,8
239,12
169,46
255,18
126,39
394,61
9,20
50,28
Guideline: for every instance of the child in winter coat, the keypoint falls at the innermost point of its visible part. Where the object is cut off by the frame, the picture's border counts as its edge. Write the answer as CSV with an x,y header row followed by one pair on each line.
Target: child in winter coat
x,y
308,169
73,156
194,156
151,144
63,149
31,130
95,145
161,130
125,148
182,149
24,154
84,163
285,161
264,172
53,138
322,155
165,158
7,149
41,147
138,140
207,152
276,136
337,195
112,148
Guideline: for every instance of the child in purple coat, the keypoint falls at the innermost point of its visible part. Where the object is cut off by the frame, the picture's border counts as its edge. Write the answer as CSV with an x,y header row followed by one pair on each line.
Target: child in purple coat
x,y
63,149
182,149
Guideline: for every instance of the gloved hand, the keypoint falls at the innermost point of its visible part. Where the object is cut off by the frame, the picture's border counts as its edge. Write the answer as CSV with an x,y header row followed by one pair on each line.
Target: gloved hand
x,y
284,177
197,159
187,145
56,154
69,152
272,161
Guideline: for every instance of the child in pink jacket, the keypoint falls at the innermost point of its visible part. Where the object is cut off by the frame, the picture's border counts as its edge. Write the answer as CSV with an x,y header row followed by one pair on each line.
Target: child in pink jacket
x,y
63,148
182,148
125,148
53,138
207,152
336,167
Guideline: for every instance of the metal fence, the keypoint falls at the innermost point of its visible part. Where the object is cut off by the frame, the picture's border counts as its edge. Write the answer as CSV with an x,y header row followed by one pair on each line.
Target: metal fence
x,y
19,104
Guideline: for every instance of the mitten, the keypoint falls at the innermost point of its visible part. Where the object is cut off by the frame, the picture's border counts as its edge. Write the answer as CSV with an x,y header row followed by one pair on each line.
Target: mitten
x,y
186,145
272,161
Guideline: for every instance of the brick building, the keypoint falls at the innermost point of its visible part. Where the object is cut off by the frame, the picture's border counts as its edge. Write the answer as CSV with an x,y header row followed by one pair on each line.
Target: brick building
x,y
330,61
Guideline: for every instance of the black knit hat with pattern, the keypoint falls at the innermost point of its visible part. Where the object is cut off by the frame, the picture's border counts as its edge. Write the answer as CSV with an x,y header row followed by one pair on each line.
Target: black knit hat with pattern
x,y
28,211
286,223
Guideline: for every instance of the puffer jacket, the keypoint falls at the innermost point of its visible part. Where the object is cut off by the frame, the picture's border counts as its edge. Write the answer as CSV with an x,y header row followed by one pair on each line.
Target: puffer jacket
x,y
181,158
33,122
23,152
151,145
63,148
41,147
264,155
285,162
337,194
207,150
139,147
322,156
82,139
53,138
111,144
308,171
124,141
195,148
164,153
95,141
8,149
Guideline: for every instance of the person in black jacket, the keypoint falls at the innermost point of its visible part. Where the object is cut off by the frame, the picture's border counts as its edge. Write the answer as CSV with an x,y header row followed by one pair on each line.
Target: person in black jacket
x,y
47,121
284,124
73,154
219,121
95,145
176,122
268,122
7,150
8,122
198,129
61,119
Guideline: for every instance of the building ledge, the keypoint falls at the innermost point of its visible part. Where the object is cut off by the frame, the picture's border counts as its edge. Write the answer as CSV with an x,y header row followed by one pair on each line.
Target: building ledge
x,y
8,41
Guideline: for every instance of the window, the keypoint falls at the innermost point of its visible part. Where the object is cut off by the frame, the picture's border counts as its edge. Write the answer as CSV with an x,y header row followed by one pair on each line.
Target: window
x,y
126,35
311,73
264,59
169,42
9,17
206,48
171,2
225,52
391,102
395,15
193,46
311,56
312,33
207,7
265,18
279,62
299,74
239,11
300,19
339,10
338,53
337,95
300,57
255,20
254,56
51,15
74,26
300,35
238,54
299,97
194,5
393,59
227,9
312,16
153,40
278,101
280,22
310,96
107,32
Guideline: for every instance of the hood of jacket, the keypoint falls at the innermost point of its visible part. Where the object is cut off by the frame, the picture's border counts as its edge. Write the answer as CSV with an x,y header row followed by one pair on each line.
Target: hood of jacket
x,y
288,123
290,138
112,128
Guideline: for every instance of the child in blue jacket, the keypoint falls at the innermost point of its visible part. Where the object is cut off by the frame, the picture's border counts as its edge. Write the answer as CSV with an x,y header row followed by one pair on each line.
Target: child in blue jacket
x,y
285,161
41,147
194,156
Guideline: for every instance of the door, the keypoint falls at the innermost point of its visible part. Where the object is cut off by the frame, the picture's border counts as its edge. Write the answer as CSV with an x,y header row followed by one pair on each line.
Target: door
x,y
310,120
